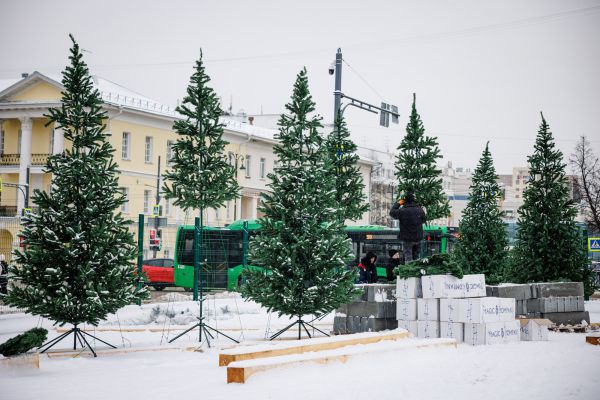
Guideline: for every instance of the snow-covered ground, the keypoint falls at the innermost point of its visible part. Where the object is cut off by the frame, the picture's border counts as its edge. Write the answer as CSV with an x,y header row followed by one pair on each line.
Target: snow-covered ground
x,y
563,368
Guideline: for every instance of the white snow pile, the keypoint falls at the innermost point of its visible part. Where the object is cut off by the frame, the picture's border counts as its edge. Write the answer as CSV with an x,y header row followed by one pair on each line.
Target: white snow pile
x,y
181,312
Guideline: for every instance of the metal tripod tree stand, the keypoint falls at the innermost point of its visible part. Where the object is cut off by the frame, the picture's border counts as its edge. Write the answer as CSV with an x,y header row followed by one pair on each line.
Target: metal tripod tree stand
x,y
77,337
201,325
301,324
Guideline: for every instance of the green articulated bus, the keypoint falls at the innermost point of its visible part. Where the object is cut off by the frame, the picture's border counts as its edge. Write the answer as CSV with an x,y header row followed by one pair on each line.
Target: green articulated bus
x,y
224,251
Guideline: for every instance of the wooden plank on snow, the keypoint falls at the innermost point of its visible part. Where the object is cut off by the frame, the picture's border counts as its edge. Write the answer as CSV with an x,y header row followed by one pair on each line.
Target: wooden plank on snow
x,y
306,345
240,371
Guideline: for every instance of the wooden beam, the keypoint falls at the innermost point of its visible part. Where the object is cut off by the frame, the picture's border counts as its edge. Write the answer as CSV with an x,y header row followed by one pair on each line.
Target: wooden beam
x,y
306,345
595,340
240,371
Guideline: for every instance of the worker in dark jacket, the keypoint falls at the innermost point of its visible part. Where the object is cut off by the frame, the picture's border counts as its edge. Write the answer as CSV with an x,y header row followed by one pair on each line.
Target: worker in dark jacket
x,y
411,217
366,268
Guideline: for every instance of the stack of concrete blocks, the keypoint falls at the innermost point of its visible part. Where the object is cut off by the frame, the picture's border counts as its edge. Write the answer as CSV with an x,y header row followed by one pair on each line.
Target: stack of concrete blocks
x,y
560,302
373,310
408,293
458,308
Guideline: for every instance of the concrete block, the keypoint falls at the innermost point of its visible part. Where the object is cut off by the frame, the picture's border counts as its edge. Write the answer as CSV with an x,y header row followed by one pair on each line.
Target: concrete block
x,y
560,304
406,309
580,301
380,324
534,329
559,289
492,332
486,309
518,292
428,329
545,304
428,309
380,292
363,290
519,307
372,309
453,330
533,289
411,326
568,318
409,288
491,291
339,325
449,309
342,310
448,286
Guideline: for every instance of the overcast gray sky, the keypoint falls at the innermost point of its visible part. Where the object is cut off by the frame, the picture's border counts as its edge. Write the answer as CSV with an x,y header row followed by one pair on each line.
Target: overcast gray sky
x,y
482,70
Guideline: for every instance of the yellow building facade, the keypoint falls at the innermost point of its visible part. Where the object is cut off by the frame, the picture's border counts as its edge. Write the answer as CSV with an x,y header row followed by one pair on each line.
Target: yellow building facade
x,y
141,133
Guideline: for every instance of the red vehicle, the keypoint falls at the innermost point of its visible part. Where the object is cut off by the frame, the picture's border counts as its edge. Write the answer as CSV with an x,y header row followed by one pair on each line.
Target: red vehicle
x,y
159,272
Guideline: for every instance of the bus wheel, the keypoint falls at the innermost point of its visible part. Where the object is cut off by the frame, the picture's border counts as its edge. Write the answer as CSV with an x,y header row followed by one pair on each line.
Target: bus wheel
x,y
158,288
188,289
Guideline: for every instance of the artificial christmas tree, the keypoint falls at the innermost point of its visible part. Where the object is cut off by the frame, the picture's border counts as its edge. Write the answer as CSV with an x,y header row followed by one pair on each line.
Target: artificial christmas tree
x,y
416,168
301,246
549,245
76,265
200,177
349,185
481,248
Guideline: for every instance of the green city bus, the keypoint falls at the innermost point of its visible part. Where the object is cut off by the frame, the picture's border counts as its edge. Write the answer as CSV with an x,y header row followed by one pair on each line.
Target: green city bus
x,y
225,250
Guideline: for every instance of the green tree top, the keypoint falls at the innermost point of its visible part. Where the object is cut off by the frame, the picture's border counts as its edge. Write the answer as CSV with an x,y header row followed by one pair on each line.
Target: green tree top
x,y
416,168
349,184
200,176
482,246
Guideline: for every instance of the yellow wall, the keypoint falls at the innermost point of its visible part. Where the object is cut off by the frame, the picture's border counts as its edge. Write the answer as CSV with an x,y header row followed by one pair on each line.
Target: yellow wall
x,y
37,92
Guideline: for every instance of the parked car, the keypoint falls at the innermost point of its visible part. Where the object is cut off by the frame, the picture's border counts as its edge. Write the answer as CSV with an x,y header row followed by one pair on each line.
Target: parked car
x,y
159,272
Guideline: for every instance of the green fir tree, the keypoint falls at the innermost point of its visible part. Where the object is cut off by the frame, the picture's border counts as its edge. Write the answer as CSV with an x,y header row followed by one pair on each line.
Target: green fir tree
x,y
76,266
200,177
549,245
301,245
349,184
482,246
416,168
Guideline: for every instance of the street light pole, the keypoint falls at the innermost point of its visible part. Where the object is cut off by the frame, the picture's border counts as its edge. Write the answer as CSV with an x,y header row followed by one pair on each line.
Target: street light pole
x,y
156,217
337,93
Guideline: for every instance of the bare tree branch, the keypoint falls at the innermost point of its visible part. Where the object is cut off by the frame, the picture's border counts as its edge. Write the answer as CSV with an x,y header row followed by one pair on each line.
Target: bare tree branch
x,y
586,169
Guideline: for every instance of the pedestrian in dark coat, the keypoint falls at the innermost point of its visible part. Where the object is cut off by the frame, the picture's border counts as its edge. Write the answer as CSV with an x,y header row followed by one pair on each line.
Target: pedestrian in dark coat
x,y
395,260
411,217
366,268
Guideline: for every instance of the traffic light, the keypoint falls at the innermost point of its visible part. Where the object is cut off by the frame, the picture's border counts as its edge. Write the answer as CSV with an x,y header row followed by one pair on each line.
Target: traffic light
x,y
155,237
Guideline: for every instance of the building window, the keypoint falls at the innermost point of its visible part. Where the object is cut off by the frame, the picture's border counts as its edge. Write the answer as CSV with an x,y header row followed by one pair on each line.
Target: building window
x,y
19,141
169,151
125,205
167,253
248,161
1,141
147,195
148,150
126,145
228,209
261,170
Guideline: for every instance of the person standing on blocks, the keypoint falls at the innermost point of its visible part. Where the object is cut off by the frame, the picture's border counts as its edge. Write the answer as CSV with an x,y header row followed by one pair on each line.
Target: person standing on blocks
x,y
411,217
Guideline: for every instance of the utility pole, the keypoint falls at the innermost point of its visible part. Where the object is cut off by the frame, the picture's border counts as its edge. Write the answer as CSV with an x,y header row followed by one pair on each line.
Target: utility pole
x,y
385,110
156,217
337,93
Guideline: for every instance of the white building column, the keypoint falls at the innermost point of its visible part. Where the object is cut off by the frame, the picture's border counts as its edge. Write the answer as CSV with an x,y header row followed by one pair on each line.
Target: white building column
x,y
25,160
58,145
253,207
